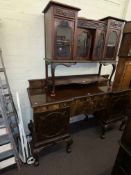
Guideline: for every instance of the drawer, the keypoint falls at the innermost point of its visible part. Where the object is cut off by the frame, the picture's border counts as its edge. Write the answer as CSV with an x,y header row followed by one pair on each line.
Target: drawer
x,y
46,108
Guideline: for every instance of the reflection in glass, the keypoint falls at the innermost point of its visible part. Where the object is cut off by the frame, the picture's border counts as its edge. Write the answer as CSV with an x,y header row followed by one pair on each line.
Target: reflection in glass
x,y
111,45
99,46
83,44
63,39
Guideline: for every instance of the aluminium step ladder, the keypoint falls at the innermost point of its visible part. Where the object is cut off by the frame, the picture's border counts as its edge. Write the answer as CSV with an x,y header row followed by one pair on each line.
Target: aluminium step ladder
x,y
9,131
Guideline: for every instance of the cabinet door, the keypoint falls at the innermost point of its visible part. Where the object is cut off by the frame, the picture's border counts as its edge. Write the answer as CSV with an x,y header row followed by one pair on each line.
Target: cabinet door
x,y
51,124
111,44
99,45
83,44
64,35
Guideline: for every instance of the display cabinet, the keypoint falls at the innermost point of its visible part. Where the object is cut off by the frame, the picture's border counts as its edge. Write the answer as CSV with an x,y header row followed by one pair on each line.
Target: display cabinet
x,y
113,36
68,37
60,30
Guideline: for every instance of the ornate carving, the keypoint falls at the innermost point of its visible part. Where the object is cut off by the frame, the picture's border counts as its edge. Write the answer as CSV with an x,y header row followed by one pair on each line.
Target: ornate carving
x,y
64,12
115,24
51,124
90,24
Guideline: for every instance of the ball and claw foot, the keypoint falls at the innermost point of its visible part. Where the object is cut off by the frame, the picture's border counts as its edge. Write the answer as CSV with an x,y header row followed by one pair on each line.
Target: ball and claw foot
x,y
36,163
103,136
68,147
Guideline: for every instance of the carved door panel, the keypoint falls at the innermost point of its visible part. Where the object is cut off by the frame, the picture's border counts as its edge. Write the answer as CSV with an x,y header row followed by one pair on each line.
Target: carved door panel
x,y
83,45
51,124
99,45
64,38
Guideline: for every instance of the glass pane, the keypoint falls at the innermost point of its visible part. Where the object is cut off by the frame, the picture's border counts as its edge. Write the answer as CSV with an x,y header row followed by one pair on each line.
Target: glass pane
x,y
112,39
63,39
99,46
111,45
83,44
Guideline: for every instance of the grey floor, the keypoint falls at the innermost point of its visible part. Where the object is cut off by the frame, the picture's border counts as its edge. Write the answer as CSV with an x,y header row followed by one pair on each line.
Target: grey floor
x,y
90,155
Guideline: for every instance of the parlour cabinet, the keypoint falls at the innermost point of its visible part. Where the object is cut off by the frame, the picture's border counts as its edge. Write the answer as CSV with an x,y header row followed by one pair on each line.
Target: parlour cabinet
x,y
60,30
123,72
113,36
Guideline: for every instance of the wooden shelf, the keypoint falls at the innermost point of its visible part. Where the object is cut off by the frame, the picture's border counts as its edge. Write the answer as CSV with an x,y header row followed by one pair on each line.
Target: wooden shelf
x,y
80,61
79,79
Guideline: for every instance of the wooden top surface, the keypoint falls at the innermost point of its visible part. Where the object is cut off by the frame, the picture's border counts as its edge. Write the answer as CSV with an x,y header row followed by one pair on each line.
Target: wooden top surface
x,y
59,4
67,93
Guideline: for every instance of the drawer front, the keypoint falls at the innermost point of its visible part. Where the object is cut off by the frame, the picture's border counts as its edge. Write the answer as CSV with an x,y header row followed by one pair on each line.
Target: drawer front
x,y
84,105
51,107
51,124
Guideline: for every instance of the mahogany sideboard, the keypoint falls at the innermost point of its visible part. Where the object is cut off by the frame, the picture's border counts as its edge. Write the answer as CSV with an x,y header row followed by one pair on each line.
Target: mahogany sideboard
x,y
51,115
70,40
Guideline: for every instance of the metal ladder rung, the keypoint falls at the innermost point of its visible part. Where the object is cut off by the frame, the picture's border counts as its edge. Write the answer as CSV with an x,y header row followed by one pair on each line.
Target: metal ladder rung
x,y
5,147
6,155
2,69
5,86
4,140
3,131
7,163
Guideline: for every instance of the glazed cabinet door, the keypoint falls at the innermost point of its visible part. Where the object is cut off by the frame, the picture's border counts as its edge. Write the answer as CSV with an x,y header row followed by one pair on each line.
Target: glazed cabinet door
x,y
111,45
51,124
64,39
99,45
83,44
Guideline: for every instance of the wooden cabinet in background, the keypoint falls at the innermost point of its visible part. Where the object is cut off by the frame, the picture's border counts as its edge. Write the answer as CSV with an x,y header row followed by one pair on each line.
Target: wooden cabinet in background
x,y
123,73
125,49
122,164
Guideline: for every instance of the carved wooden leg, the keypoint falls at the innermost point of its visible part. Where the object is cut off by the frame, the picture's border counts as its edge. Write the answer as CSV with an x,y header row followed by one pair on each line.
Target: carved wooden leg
x,y
122,125
104,128
69,143
36,156
86,117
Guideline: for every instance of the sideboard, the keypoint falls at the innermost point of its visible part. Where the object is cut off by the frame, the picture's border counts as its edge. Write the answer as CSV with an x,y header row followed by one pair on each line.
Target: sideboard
x,y
70,39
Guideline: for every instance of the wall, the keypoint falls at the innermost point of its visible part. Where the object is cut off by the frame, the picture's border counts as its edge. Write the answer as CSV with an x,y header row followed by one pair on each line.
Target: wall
x,y
22,41
128,11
